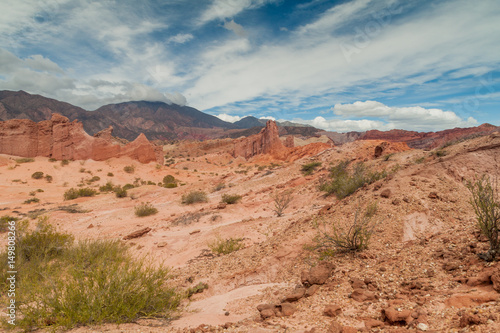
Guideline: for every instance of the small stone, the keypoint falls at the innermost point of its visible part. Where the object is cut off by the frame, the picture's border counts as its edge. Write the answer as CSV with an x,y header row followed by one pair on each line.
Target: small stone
x,y
311,290
433,195
90,226
226,313
195,231
332,310
162,244
422,327
297,294
288,309
386,193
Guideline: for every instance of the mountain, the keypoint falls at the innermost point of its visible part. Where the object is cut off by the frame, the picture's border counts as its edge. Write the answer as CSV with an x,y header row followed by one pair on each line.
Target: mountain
x,y
157,120
250,121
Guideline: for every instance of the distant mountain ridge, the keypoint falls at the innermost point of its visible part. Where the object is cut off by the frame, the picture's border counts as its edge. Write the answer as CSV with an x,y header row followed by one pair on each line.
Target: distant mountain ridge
x,y
251,121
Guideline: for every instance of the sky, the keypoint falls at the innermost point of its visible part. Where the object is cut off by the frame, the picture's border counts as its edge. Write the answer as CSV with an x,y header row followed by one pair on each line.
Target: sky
x,y
337,65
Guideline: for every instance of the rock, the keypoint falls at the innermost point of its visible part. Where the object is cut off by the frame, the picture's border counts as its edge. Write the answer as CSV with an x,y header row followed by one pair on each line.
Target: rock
x,y
162,244
362,295
221,205
266,310
296,294
332,310
371,323
335,327
266,142
468,319
471,299
379,149
386,193
485,277
317,274
433,195
326,209
495,279
197,231
137,233
90,226
311,290
357,283
393,316
289,142
288,309
422,327
61,139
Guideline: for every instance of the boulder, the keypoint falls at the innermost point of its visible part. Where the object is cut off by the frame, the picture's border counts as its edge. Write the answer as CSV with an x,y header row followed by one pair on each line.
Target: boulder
x,y
265,142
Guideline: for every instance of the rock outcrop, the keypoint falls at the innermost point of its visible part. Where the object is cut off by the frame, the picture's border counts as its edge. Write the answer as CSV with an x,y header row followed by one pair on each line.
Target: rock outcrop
x,y
266,142
61,139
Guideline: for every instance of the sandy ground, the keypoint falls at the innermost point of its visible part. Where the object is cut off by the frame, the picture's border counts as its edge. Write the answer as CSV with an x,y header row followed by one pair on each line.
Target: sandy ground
x,y
417,236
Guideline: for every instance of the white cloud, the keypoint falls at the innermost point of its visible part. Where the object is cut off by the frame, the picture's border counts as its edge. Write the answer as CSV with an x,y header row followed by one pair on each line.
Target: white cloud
x,y
228,118
181,38
267,117
223,9
344,125
235,27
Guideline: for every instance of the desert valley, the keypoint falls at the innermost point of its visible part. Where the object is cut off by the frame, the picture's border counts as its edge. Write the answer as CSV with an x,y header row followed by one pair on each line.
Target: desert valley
x,y
244,218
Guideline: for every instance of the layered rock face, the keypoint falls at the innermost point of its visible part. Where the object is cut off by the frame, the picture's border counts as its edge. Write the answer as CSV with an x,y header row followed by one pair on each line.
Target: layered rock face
x,y
61,139
266,142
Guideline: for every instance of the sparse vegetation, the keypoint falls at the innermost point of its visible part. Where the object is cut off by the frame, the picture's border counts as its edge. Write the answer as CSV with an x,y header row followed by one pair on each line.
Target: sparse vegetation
x,y
226,246
420,160
196,289
169,181
52,159
4,222
194,197
110,174
31,200
335,236
24,160
230,198
281,201
145,209
441,153
128,186
63,284
388,157
108,187
343,183
486,204
120,192
129,169
64,162
309,168
74,193
219,187
37,175
48,178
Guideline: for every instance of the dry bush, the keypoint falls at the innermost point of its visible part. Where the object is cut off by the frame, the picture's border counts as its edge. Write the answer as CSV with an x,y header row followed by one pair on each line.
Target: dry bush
x,y
194,197
281,201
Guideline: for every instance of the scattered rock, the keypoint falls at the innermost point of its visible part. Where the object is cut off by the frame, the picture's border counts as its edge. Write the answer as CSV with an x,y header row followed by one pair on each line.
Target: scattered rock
x,y
311,290
221,205
326,209
296,294
137,233
423,327
371,323
288,309
362,295
433,195
386,193
90,226
162,244
195,232
332,310
468,319
397,316
317,274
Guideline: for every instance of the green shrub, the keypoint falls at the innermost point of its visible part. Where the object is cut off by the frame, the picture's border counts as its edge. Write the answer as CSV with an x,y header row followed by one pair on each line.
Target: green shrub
x,y
226,246
48,178
145,209
120,192
219,187
197,289
129,169
230,198
343,183
31,200
94,179
110,174
169,179
73,193
52,159
64,162
128,186
194,197
82,170
108,187
62,284
37,175
338,237
4,222
486,204
24,160
309,168
170,185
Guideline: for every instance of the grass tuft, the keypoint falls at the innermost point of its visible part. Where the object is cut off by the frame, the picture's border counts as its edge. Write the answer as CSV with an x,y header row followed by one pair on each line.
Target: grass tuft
x,y
226,246
194,197
145,209
231,199
74,193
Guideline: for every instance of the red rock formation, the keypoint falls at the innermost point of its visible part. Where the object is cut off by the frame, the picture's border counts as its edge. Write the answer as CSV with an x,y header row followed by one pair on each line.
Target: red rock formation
x,y
61,139
266,142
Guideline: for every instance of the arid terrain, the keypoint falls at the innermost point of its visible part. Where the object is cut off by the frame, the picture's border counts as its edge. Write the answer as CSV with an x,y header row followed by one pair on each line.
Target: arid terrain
x,y
420,272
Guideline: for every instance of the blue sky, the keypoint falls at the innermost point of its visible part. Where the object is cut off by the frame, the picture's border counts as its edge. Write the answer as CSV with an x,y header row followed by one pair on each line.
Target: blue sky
x,y
337,65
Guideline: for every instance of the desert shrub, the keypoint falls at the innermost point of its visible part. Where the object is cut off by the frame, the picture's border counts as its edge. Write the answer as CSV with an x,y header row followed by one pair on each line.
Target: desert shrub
x,y
63,284
82,170
281,201
74,193
441,153
230,198
128,186
52,159
94,179
37,175
110,174
4,222
129,169
194,197
108,187
225,246
335,236
145,209
170,185
24,160
309,168
120,192
486,204
344,183
197,289
64,162
388,156
420,160
169,181
31,200
48,178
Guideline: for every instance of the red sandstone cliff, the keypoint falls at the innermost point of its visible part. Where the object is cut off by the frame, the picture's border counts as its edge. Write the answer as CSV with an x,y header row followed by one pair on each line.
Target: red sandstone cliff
x,y
61,139
266,142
